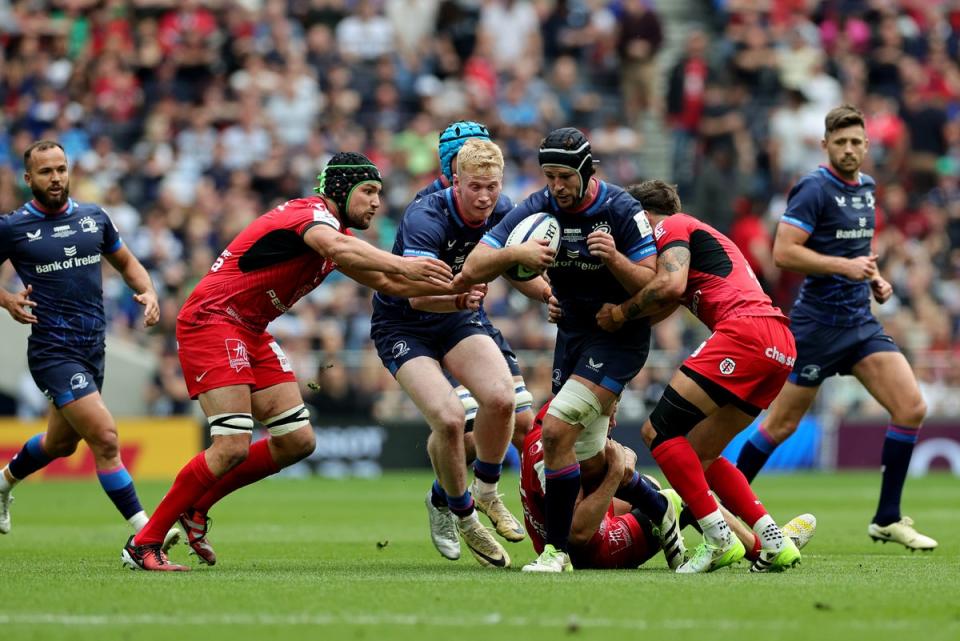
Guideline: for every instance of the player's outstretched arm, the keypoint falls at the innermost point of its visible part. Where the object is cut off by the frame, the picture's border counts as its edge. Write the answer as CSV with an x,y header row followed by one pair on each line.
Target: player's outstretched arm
x,y
484,263
397,284
588,514
633,276
136,277
19,305
354,254
790,253
660,294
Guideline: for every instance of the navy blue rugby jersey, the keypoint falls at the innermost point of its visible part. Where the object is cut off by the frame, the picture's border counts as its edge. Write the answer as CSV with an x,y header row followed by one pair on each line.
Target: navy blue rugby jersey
x,y
840,218
580,281
60,254
433,227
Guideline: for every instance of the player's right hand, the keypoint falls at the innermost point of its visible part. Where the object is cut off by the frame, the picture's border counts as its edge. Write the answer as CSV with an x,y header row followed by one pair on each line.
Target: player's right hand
x,y
535,254
21,307
429,269
605,318
554,311
861,267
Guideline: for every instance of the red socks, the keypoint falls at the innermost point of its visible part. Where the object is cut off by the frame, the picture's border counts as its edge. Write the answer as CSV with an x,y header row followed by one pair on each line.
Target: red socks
x,y
681,466
191,483
734,491
259,465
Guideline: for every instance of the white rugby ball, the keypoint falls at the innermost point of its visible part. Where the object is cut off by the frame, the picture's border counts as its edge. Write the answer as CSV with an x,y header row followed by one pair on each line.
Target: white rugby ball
x,y
536,226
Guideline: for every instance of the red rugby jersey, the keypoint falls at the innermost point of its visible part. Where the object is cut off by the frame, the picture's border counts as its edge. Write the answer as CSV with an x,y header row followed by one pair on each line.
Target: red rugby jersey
x,y
265,270
720,284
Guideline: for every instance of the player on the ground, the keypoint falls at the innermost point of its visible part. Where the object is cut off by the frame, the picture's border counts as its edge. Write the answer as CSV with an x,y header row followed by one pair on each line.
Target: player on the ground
x,y
55,245
607,532
721,387
591,366
417,339
827,233
443,527
238,371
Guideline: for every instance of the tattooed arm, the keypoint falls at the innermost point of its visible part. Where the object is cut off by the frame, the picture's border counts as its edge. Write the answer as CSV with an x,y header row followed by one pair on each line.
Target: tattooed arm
x,y
660,294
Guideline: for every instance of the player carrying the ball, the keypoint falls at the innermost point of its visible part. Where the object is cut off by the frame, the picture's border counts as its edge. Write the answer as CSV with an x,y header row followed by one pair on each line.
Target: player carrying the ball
x,y
606,253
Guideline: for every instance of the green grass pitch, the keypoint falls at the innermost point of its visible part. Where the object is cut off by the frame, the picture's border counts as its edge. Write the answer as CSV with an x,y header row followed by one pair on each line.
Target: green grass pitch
x,y
351,559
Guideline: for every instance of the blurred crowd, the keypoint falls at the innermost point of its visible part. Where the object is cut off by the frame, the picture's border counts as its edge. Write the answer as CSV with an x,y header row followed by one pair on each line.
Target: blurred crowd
x,y
188,119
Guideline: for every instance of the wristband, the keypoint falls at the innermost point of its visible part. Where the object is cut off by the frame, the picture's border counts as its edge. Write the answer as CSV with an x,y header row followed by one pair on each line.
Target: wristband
x,y
617,314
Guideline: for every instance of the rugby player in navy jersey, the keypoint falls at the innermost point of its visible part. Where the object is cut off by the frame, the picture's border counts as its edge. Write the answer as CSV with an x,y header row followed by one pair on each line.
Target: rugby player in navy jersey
x,y
826,233
417,339
443,529
606,253
56,245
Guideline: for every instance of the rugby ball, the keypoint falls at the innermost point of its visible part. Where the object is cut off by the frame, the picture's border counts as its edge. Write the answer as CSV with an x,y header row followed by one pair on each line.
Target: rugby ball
x,y
542,226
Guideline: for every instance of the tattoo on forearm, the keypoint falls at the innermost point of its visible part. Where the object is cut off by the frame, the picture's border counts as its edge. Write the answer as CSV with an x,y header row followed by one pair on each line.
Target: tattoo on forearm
x,y
673,260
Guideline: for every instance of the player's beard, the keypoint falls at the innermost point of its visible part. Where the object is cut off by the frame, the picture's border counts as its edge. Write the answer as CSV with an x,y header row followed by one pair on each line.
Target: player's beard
x,y
53,203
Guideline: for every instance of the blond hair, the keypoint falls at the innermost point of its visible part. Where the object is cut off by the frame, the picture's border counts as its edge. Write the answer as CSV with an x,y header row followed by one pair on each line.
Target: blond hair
x,y
480,157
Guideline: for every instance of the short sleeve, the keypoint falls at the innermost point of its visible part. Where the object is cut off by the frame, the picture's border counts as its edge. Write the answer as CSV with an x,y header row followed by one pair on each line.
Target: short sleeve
x,y
111,235
308,214
672,232
803,205
634,234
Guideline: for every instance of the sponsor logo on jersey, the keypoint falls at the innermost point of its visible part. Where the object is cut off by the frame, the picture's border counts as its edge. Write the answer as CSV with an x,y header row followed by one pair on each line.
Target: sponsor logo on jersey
x,y
592,364
572,234
841,201
89,225
856,202
70,251
34,235
322,215
78,381
602,227
276,301
451,243
810,372
695,302
237,353
400,349
659,230
643,225
70,263
63,231
775,354
854,233
727,366
556,376
871,201
862,221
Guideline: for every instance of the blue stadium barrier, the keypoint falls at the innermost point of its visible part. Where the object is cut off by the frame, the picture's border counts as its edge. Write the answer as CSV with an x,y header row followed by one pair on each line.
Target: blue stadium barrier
x,y
799,452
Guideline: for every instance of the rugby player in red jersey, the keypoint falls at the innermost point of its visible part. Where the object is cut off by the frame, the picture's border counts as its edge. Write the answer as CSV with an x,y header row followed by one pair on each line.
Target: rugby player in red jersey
x,y
721,387
236,369
607,533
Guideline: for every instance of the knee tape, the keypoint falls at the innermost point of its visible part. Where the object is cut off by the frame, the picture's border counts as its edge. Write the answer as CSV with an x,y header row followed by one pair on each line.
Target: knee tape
x,y
674,415
593,438
575,404
230,424
469,403
523,400
289,421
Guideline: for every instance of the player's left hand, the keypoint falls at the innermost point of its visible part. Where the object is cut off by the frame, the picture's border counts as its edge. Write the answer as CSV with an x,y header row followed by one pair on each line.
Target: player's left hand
x,y
605,318
602,245
882,290
151,307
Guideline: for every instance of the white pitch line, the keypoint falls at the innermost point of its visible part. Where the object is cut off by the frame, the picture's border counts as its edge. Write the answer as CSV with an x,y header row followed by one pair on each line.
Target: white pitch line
x,y
370,619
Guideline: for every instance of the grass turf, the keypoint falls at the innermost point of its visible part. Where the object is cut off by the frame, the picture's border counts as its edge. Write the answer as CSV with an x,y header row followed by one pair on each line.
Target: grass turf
x,y
352,559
